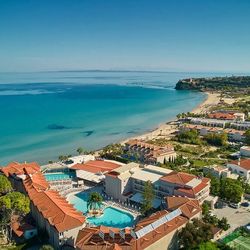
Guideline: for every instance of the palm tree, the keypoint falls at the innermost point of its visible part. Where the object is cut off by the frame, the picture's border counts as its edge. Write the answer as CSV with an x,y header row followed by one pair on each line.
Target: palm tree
x,y
80,151
94,201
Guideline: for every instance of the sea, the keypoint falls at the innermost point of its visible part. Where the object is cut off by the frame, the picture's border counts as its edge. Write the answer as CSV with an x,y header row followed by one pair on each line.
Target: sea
x,y
47,114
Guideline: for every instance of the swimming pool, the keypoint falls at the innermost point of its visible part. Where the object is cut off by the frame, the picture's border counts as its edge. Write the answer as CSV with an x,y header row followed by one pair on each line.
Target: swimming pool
x,y
112,217
58,176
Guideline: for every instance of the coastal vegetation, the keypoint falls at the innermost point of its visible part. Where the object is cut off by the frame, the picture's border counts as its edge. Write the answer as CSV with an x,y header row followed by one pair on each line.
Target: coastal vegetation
x,y
215,83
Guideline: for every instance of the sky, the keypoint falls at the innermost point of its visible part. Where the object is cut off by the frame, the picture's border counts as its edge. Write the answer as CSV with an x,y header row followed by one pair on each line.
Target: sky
x,y
169,35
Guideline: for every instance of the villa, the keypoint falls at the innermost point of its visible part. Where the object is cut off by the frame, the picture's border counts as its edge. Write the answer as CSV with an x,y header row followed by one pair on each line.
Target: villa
x,y
219,171
240,167
127,183
148,153
158,231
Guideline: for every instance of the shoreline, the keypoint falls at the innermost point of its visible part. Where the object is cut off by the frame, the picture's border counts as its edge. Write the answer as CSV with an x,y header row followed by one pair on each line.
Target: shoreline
x,y
166,129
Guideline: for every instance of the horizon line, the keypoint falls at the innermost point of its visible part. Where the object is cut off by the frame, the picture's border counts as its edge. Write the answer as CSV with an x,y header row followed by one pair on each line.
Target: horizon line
x,y
122,70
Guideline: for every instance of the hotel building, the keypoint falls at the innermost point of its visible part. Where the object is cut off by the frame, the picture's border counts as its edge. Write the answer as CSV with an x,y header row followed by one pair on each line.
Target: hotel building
x,y
158,231
51,212
127,183
149,153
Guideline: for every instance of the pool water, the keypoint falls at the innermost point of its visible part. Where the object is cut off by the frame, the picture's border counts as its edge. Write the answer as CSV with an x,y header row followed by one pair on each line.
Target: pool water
x,y
112,217
58,176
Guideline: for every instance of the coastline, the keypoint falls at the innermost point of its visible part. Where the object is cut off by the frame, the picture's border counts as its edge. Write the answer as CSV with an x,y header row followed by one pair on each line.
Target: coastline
x,y
167,129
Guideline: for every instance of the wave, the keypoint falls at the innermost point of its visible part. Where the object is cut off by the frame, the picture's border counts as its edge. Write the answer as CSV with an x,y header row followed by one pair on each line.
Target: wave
x,y
27,92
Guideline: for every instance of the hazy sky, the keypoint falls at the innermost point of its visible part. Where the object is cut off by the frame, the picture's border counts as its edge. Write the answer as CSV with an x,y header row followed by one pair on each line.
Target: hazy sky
x,y
172,35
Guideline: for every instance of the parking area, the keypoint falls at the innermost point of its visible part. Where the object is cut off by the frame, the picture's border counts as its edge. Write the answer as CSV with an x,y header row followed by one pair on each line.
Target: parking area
x,y
236,217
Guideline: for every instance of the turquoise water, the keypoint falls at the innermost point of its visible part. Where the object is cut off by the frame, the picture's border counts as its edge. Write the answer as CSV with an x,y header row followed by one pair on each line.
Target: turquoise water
x,y
58,176
80,201
112,217
44,115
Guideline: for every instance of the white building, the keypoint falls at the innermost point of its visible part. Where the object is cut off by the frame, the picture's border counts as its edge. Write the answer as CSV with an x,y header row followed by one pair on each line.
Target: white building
x,y
127,183
241,167
245,151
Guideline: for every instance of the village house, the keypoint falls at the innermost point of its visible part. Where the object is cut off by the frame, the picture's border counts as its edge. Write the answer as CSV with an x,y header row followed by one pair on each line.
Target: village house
x,y
241,167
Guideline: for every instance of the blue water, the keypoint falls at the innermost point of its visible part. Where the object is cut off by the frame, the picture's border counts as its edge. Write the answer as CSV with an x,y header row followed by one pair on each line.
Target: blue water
x,y
80,201
44,115
58,176
111,217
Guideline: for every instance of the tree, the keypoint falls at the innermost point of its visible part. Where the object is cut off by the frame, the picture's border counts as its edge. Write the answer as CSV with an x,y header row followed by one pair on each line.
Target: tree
x,y
247,137
223,224
215,185
61,157
5,185
216,139
208,246
80,150
231,190
64,157
94,201
194,234
12,204
190,136
148,197
15,201
205,208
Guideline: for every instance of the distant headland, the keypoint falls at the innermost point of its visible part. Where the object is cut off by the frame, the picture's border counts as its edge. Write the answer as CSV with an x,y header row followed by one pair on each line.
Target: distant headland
x,y
214,83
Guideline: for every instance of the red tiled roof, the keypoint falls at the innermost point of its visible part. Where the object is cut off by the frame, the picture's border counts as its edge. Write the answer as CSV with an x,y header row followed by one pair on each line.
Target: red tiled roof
x,y
195,190
173,202
36,181
88,238
155,151
20,168
219,115
243,163
96,166
59,213
178,178
188,207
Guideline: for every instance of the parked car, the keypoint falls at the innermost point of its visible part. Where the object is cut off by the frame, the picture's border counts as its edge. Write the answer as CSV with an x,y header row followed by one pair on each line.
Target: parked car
x,y
234,205
245,204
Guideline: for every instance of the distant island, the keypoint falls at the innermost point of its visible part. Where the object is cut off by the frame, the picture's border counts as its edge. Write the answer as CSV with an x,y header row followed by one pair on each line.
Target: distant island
x,y
214,83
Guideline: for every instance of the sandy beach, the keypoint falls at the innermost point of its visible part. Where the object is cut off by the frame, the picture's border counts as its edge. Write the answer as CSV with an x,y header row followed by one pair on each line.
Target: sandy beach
x,y
168,129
